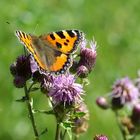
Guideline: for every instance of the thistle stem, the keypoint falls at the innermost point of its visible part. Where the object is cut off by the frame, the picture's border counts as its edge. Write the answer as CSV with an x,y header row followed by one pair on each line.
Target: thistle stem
x,y
120,126
28,102
57,135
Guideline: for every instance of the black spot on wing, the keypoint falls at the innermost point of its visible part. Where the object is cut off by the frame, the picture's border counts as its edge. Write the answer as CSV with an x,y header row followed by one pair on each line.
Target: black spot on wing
x,y
80,38
58,45
67,40
66,44
60,34
70,33
52,36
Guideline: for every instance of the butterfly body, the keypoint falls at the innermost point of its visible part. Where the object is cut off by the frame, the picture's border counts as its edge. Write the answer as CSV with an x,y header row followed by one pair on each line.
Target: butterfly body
x,y
52,51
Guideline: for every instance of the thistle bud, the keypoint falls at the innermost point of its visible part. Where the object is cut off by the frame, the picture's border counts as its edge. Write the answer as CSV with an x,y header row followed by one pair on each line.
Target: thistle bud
x,y
100,137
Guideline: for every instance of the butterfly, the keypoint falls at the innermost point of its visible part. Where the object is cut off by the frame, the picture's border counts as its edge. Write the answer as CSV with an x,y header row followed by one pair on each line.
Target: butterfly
x,y
52,51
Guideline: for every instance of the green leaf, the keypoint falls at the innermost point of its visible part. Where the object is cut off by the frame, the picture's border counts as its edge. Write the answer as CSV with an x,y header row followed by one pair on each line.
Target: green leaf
x,y
67,124
79,114
43,132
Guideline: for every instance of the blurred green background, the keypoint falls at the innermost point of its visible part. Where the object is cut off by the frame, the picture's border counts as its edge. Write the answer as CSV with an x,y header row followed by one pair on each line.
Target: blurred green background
x,y
115,24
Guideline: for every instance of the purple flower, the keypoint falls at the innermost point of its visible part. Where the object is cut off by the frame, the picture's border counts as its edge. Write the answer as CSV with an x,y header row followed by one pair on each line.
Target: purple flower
x,y
46,82
21,67
21,70
88,55
124,91
34,66
65,90
25,68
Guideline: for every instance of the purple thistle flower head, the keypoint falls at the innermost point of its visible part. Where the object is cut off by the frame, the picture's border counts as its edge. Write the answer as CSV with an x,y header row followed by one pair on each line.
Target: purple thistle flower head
x,y
88,55
124,91
21,68
65,90
46,82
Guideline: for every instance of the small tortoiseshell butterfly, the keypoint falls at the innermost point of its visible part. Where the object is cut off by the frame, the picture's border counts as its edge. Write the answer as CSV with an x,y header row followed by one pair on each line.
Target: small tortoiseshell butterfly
x,y
52,51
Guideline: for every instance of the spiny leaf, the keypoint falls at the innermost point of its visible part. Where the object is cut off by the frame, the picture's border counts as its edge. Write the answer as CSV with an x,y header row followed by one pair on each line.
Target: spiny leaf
x,y
34,89
67,124
79,114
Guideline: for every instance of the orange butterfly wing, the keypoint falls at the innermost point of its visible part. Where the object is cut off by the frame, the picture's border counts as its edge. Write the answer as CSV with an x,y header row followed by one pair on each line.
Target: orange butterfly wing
x,y
65,41
26,40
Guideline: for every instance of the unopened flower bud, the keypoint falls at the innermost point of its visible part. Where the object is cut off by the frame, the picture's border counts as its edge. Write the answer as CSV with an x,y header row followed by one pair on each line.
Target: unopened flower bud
x,y
88,56
102,102
100,137
82,71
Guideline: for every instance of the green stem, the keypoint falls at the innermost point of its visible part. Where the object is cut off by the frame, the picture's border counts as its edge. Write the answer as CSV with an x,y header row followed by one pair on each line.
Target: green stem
x,y
120,126
30,87
57,135
28,102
